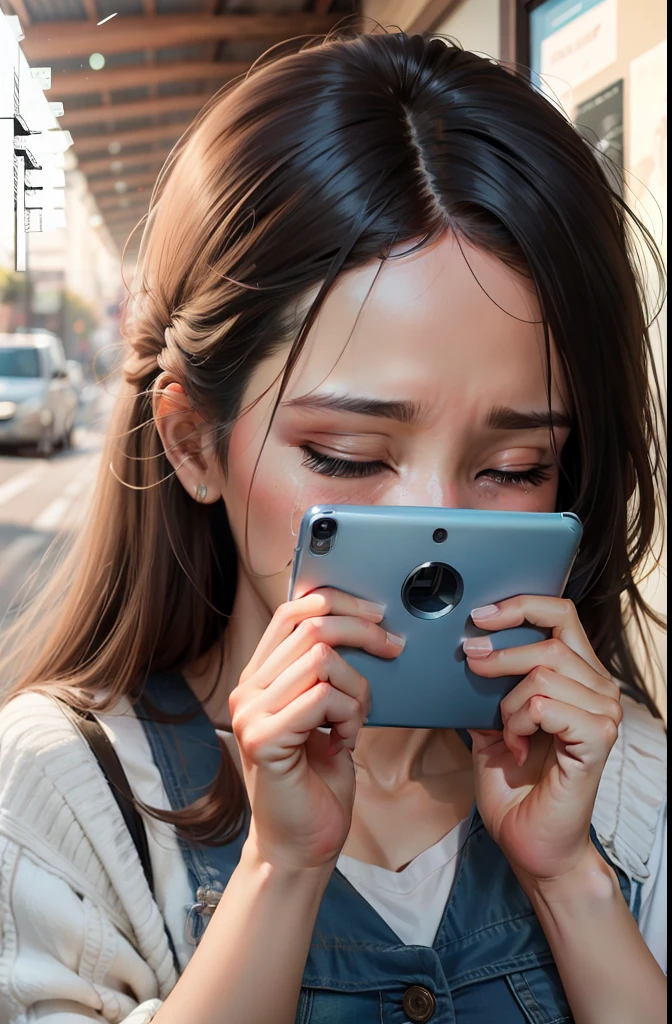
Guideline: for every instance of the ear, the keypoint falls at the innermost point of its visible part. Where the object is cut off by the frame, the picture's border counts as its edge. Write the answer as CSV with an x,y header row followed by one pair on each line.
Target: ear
x,y
188,443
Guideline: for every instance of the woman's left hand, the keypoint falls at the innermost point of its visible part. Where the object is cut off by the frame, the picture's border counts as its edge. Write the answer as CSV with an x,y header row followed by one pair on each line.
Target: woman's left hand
x,y
536,781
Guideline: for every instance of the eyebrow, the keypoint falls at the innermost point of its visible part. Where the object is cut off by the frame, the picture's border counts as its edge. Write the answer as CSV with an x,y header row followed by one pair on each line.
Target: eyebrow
x,y
403,411
410,413
504,418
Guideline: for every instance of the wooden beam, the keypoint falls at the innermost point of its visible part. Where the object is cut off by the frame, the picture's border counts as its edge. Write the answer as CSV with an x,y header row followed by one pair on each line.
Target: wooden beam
x,y
20,9
408,15
123,228
152,158
123,203
77,83
130,180
54,39
124,111
132,137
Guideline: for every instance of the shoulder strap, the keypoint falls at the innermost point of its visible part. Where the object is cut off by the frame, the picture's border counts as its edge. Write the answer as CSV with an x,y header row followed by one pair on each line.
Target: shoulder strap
x,y
111,767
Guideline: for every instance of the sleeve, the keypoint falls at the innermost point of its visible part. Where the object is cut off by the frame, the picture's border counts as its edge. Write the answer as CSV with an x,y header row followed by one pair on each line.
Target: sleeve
x,y
653,910
62,960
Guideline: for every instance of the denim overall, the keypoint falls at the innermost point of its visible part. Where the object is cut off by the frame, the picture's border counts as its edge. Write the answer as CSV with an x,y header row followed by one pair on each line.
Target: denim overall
x,y
489,963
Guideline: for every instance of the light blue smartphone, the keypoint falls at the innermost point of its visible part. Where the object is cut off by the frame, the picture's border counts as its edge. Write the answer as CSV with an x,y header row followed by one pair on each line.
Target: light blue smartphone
x,y
430,567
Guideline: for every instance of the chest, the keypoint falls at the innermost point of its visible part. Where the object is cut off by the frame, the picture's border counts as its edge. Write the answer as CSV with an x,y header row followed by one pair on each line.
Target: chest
x,y
392,828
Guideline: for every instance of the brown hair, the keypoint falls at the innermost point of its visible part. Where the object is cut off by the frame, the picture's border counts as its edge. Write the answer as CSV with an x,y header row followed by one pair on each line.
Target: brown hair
x,y
318,162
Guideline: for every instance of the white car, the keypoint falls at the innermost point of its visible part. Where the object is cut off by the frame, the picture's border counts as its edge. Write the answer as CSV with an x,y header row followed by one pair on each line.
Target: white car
x,y
38,402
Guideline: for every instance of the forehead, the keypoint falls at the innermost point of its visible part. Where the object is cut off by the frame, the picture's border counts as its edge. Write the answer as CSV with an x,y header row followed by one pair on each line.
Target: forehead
x,y
445,321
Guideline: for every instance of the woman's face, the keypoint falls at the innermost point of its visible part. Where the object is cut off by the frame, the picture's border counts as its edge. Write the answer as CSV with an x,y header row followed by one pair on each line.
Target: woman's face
x,y
430,391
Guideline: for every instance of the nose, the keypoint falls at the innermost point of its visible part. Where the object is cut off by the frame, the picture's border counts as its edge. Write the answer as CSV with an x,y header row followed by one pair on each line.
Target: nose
x,y
430,491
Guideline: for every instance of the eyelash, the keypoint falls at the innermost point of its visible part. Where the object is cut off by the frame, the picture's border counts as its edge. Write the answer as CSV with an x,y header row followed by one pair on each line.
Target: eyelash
x,y
327,465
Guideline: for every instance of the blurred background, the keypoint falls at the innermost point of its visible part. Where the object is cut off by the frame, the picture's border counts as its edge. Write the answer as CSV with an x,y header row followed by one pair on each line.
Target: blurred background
x,y
93,95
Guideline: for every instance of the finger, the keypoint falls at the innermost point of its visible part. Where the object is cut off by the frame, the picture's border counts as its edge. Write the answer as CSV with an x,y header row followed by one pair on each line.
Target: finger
x,y
320,664
544,682
520,661
332,630
272,738
555,613
588,737
286,618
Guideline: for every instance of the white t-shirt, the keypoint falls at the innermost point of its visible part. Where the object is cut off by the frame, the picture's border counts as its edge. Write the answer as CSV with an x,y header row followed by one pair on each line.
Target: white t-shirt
x,y
410,901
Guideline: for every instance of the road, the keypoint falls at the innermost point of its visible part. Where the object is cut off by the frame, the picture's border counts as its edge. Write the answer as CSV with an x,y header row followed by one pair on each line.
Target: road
x,y
42,501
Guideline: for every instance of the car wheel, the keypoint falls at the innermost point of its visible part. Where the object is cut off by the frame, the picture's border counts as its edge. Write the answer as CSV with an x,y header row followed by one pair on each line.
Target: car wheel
x,y
68,437
45,446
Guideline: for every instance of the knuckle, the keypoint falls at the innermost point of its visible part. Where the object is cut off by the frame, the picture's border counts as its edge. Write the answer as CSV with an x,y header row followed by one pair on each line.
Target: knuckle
x,y
608,730
566,607
617,712
320,653
252,744
536,705
613,690
285,613
553,648
320,692
310,629
539,677
325,601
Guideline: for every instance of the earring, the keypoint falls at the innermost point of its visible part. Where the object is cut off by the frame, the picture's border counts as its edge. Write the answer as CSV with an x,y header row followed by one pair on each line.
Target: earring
x,y
201,492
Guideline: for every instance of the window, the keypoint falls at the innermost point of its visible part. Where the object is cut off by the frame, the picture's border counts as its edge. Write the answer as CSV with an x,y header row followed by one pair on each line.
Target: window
x,y
19,362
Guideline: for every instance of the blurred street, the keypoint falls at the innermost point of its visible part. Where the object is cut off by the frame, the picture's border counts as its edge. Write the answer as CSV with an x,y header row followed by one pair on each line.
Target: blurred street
x,y
42,501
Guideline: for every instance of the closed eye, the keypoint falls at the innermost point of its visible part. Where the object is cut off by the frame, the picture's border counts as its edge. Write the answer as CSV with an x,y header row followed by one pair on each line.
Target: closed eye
x,y
535,476
328,465
331,466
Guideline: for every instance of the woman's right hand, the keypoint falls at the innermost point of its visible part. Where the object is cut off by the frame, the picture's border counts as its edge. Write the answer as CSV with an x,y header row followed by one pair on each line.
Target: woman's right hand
x,y
301,782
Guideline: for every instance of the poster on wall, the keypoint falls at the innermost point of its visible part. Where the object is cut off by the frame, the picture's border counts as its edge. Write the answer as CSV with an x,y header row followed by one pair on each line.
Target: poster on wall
x,y
647,141
600,121
570,42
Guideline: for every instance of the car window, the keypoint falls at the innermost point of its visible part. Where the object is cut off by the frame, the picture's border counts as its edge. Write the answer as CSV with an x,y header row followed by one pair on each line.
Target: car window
x,y
19,362
57,356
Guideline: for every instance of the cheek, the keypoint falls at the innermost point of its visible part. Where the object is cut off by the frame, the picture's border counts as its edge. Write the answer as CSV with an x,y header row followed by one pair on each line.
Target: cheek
x,y
259,504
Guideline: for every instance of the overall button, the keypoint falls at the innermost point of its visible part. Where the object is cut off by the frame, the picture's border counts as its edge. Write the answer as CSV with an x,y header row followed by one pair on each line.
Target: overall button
x,y
419,1004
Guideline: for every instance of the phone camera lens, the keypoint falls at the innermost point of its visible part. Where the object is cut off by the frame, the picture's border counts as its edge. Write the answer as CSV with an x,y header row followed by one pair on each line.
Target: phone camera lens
x,y
323,533
440,535
324,529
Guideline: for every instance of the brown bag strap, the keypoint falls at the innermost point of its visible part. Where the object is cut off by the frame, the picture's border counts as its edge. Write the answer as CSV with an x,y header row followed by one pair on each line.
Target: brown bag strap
x,y
112,769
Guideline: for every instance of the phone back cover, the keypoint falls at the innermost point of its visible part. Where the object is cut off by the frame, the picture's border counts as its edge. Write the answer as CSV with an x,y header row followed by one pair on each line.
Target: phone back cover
x,y
497,555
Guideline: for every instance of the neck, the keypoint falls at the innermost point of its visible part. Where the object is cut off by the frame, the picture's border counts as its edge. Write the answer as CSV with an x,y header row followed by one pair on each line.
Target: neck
x,y
391,757
214,676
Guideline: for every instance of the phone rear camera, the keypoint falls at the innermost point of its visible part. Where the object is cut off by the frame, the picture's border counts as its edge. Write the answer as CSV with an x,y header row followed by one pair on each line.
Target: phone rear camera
x,y
432,590
323,529
440,535
322,536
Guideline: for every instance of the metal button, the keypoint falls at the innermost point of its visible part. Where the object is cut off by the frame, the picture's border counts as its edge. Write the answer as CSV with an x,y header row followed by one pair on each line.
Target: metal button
x,y
419,1004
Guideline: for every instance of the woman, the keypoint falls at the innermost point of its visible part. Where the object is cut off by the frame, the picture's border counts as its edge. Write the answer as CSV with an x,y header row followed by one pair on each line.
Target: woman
x,y
378,270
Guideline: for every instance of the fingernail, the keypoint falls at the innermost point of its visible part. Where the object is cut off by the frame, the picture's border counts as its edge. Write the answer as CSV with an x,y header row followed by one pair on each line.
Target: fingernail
x,y
478,647
487,611
398,641
371,608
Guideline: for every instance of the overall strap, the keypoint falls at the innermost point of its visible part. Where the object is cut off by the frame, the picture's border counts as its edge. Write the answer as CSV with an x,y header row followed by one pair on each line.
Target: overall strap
x,y
102,749
115,776
188,754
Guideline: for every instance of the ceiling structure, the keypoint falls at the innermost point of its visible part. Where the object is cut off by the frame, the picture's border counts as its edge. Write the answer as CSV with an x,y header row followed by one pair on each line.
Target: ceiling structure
x,y
162,59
